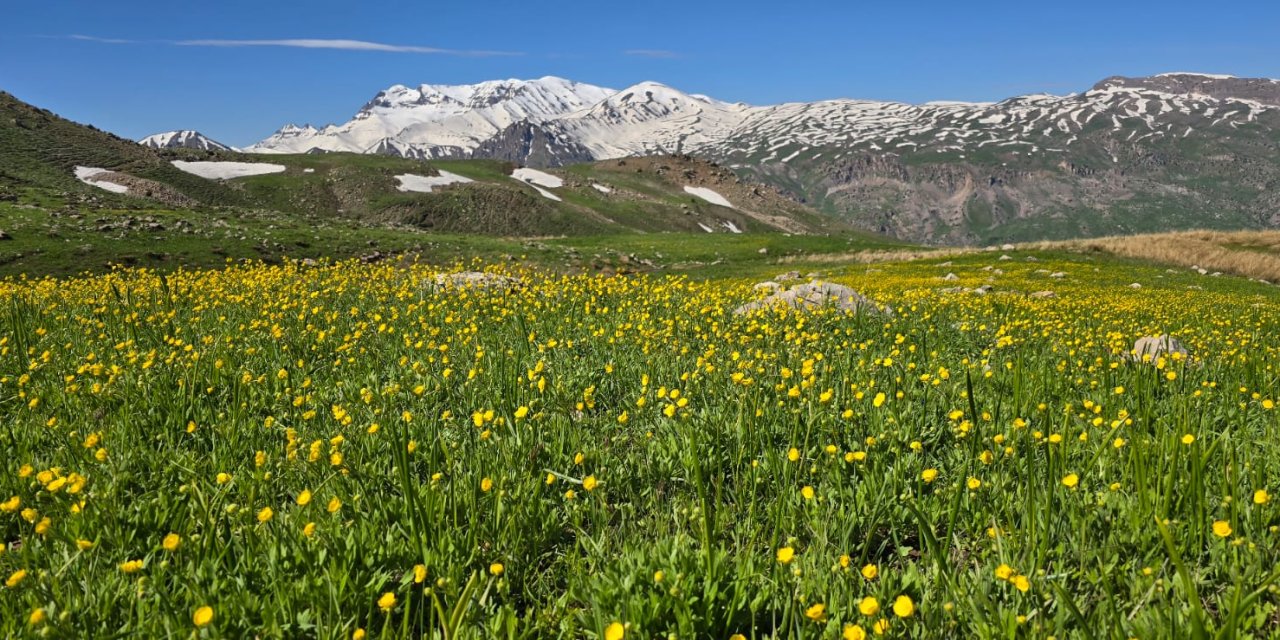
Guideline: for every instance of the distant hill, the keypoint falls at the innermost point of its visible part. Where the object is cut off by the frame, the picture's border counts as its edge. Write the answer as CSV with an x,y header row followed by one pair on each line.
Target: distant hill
x,y
46,159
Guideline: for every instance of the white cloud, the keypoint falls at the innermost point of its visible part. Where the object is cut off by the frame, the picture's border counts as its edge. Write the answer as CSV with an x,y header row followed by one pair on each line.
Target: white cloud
x,y
306,43
348,45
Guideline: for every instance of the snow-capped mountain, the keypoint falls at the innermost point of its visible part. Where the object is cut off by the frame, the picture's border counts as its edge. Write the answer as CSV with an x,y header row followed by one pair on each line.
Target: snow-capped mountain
x,y
439,120
938,171
185,139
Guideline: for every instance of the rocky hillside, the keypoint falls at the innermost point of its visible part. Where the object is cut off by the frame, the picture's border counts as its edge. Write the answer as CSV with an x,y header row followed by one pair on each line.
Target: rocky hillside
x,y
1129,155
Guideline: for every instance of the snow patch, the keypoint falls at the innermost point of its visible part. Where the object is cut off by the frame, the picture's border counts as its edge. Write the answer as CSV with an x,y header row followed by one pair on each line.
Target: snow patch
x,y
542,179
706,228
424,184
543,192
228,170
87,174
733,228
1215,76
601,188
708,195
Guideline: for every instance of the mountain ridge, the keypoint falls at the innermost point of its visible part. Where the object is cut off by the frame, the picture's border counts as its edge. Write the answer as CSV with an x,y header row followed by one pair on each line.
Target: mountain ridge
x,y
1126,155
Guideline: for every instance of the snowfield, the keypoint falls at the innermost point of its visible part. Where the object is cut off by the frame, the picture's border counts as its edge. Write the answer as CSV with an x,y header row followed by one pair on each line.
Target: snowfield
x,y
708,195
424,184
87,174
540,178
228,170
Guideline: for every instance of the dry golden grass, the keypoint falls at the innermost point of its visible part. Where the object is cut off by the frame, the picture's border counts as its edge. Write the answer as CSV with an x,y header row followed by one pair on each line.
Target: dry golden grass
x,y
1255,254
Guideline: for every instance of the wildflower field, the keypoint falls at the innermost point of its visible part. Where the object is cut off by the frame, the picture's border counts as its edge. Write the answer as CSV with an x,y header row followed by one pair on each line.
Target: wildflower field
x,y
346,451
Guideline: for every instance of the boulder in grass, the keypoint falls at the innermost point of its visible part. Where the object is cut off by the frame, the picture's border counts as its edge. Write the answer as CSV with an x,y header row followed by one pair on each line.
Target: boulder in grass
x,y
1149,348
814,295
767,285
1044,294
477,280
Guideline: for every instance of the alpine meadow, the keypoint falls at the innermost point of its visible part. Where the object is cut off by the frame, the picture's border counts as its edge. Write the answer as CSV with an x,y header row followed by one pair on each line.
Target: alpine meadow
x,y
529,359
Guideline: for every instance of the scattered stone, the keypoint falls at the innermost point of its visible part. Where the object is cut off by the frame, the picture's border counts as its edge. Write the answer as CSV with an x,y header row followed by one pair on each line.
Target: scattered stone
x,y
950,277
954,290
1156,346
1058,275
5,236
477,280
1005,257
983,290
816,294
944,264
767,285
1032,259
1044,294
763,251
790,275
1135,286
1006,247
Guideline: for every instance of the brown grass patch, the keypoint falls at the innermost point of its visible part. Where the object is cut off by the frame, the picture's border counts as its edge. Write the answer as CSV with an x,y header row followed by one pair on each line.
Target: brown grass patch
x,y
1254,254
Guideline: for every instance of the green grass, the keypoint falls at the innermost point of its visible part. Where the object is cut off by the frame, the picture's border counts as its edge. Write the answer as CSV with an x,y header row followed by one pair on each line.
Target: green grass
x,y
537,430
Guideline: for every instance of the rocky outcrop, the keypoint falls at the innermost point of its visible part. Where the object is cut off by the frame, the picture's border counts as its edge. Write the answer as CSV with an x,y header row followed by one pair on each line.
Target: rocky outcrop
x,y
533,145
816,295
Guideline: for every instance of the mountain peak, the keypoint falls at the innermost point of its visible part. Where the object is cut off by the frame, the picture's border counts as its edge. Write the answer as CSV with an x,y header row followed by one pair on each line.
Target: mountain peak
x,y
183,139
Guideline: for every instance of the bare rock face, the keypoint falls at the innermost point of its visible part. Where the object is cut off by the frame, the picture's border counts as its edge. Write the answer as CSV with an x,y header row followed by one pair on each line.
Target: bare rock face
x,y
1155,347
477,280
817,294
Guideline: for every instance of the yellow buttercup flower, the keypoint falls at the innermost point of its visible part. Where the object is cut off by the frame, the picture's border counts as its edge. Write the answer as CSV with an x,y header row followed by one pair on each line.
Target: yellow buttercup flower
x,y
387,602
869,606
615,631
786,555
202,616
816,612
903,607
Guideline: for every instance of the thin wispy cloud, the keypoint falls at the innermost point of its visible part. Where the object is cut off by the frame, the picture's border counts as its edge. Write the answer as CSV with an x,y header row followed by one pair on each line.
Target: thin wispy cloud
x,y
76,36
306,43
651,53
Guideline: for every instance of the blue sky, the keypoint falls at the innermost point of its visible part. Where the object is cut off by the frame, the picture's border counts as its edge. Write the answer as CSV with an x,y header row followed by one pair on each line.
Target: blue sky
x,y
225,68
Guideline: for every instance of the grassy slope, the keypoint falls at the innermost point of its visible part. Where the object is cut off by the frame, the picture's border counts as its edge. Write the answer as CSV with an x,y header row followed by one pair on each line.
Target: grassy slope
x,y
39,151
